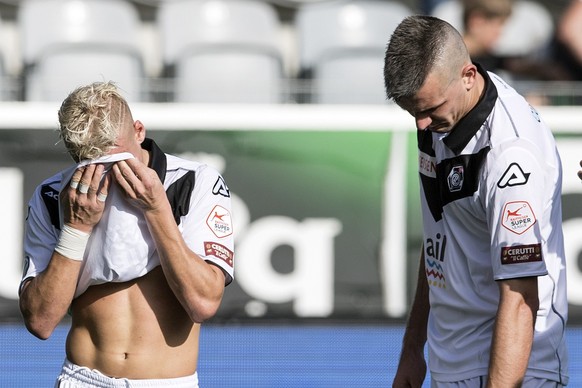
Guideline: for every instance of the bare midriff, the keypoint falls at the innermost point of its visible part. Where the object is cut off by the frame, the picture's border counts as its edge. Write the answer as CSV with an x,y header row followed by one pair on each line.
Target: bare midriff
x,y
136,330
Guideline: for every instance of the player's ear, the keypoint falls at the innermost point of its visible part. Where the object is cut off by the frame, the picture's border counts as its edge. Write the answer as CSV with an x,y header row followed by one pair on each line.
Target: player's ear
x,y
139,131
469,75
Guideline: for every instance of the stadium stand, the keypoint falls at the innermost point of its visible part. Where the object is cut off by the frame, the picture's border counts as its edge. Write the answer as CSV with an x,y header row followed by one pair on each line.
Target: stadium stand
x,y
342,45
67,43
222,51
215,51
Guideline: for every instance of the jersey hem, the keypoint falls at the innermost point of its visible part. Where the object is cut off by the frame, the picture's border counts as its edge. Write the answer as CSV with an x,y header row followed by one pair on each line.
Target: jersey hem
x,y
521,276
447,377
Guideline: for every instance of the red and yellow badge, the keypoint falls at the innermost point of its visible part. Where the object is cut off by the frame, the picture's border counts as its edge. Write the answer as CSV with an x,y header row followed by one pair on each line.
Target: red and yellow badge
x,y
220,251
517,217
219,222
521,254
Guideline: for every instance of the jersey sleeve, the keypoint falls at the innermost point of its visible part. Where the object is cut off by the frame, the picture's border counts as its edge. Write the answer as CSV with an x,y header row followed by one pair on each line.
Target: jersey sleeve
x,y
40,236
208,227
516,202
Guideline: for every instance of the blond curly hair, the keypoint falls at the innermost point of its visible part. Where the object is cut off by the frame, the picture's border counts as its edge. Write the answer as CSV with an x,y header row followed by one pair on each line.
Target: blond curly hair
x,y
90,119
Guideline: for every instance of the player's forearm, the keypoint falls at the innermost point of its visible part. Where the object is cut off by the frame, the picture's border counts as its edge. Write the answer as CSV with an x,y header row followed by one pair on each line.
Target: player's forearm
x,y
44,301
512,338
510,352
198,285
412,365
416,328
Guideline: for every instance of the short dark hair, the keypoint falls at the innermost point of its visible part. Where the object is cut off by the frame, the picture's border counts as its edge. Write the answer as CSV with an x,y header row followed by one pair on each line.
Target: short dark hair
x,y
417,46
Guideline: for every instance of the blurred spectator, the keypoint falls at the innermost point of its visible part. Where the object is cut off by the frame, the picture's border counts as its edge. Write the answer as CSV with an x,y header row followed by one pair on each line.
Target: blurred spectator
x,y
483,22
568,42
428,6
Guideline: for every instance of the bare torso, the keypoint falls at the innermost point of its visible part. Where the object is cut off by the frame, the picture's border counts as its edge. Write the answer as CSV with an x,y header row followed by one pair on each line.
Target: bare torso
x,y
136,329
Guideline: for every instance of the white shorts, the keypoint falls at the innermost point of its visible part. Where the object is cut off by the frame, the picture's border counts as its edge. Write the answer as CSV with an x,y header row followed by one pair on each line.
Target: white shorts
x,y
481,382
75,376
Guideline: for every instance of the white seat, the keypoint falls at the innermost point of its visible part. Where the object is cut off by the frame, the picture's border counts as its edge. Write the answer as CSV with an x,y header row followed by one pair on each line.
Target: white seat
x,y
528,31
450,11
342,44
68,43
222,51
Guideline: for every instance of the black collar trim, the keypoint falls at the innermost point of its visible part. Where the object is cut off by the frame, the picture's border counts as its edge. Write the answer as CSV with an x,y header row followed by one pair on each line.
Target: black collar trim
x,y
469,125
157,158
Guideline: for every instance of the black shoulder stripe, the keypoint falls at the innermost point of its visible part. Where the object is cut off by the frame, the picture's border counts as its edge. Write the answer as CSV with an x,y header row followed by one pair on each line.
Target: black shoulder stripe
x,y
459,176
430,186
424,139
50,198
179,194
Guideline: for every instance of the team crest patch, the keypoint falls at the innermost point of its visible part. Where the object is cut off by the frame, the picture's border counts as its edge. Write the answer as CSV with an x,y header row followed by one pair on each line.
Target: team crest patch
x,y
220,251
517,217
219,222
455,178
521,254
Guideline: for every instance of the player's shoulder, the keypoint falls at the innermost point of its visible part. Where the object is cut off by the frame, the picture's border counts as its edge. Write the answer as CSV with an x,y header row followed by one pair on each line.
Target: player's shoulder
x,y
203,172
514,118
50,186
175,163
46,194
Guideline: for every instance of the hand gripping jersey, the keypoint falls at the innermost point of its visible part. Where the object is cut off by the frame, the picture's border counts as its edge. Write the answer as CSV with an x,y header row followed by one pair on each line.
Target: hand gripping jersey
x,y
120,247
491,204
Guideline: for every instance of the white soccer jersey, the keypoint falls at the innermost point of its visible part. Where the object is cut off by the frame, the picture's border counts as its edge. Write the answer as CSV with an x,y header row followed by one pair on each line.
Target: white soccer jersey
x,y
200,201
491,203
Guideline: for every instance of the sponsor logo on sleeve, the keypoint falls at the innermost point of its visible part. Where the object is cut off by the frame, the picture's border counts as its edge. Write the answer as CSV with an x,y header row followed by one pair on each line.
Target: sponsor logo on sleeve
x,y
219,222
219,251
517,217
513,176
49,192
521,254
220,188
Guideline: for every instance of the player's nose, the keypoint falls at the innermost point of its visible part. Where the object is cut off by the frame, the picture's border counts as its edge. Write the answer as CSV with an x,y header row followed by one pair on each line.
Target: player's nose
x,y
422,122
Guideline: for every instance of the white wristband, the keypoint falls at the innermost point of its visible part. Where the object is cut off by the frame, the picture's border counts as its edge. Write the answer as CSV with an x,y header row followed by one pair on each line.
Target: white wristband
x,y
72,243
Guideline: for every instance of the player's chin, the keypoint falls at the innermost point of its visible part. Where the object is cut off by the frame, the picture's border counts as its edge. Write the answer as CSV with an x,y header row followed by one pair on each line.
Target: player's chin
x,y
440,128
